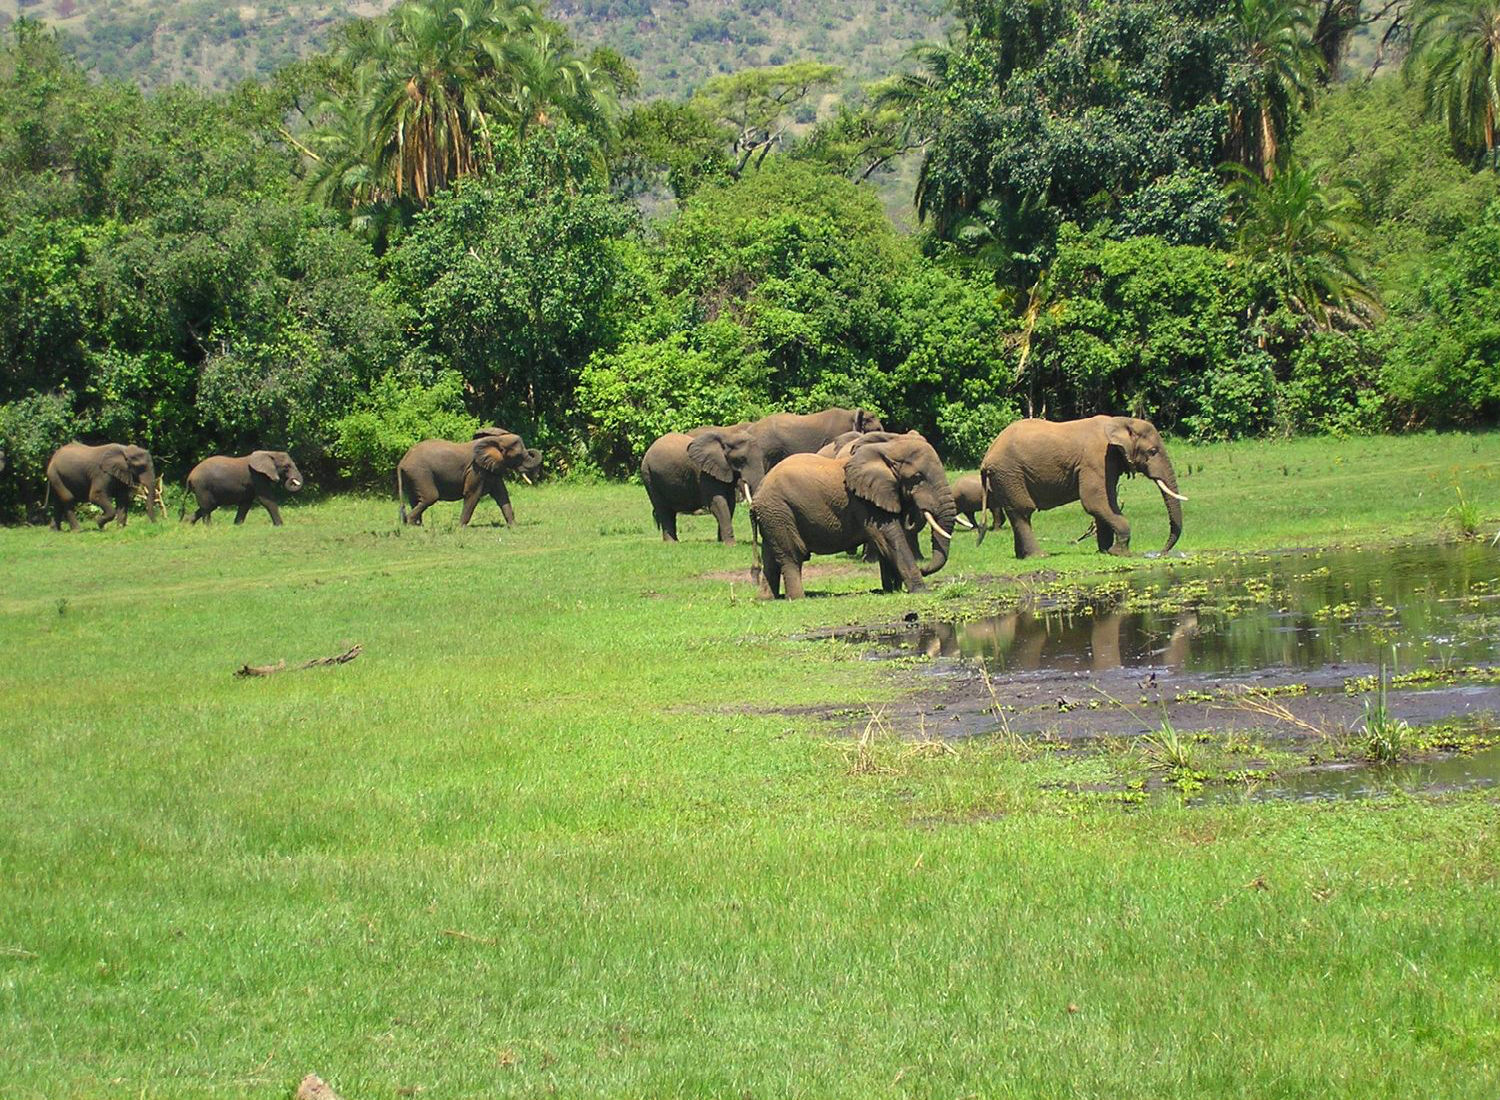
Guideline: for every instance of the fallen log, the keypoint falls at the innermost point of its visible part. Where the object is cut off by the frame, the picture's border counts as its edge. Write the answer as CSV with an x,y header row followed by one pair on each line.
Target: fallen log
x,y
317,662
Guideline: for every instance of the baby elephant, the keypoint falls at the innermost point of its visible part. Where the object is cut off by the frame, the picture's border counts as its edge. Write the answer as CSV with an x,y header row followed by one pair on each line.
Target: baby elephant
x,y
968,495
244,482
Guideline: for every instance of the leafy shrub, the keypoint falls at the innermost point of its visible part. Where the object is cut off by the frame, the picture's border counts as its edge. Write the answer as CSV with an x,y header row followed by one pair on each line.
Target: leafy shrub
x,y
1333,385
396,414
31,428
631,396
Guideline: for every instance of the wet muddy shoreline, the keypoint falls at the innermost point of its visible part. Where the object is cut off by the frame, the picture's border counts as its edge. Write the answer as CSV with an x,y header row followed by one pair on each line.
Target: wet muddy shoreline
x,y
1232,649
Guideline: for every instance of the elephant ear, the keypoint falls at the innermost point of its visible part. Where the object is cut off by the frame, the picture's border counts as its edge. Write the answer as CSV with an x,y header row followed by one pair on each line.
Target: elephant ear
x,y
264,463
706,452
1117,434
117,466
869,475
494,453
491,433
866,421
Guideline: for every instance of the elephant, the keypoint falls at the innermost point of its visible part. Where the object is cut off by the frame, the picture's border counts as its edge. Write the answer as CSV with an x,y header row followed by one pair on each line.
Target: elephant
x,y
245,482
741,455
108,475
968,496
440,469
880,494
1041,464
675,485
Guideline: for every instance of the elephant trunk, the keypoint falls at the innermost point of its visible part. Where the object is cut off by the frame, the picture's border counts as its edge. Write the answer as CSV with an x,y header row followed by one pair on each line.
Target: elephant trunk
x,y
944,518
1167,483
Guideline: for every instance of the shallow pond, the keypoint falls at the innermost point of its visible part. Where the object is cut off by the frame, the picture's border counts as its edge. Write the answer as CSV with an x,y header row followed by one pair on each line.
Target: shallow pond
x,y
1472,771
1426,604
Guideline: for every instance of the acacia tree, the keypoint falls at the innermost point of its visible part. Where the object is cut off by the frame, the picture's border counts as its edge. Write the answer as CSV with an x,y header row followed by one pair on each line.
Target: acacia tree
x,y
1455,52
754,104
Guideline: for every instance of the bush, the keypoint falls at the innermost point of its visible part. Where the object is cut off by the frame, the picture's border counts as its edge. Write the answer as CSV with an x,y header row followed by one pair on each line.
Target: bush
x,y
396,414
30,430
644,390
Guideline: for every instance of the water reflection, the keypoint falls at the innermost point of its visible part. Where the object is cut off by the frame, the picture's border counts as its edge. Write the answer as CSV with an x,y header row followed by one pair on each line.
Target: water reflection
x,y
1306,610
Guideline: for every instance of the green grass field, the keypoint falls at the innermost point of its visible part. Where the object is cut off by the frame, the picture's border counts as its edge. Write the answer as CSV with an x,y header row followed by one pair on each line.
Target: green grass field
x,y
561,828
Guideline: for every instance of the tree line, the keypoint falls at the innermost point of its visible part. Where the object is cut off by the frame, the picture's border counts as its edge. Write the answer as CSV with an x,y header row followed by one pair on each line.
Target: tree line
x,y
455,216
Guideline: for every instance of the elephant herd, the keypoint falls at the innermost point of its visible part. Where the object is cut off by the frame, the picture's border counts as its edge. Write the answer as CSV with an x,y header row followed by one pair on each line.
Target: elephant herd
x,y
112,474
836,480
816,484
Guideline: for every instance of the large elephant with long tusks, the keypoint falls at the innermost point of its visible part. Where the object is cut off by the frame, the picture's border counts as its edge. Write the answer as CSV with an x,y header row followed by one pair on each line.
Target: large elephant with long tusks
x,y
880,494
1039,464
108,475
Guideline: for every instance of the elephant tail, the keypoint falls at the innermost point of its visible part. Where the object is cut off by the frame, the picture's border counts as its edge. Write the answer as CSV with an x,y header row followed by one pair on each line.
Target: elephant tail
x,y
400,495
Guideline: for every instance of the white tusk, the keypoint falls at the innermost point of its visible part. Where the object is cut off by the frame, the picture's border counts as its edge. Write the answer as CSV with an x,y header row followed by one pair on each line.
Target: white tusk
x,y
750,500
1162,485
526,479
965,521
934,525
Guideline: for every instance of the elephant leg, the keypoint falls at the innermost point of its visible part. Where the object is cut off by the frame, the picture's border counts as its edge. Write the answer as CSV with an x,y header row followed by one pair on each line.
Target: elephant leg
x,y
414,517
1112,529
791,573
723,513
242,511
667,522
100,497
123,510
770,578
501,496
898,563
1025,537
270,506
203,514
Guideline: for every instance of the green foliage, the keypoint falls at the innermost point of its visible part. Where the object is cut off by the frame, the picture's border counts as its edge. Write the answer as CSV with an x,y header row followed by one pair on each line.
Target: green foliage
x,y
1455,54
647,388
1416,197
397,413
31,428
1296,232
1443,367
514,280
1153,327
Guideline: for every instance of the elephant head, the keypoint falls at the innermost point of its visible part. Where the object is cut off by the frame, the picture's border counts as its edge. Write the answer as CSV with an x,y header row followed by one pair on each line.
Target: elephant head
x,y
277,466
131,466
903,475
1141,451
732,455
498,452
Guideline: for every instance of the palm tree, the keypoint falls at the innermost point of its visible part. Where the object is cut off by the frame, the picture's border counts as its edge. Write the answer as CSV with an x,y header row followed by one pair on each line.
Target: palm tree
x,y
1297,234
1455,46
543,78
1279,62
431,70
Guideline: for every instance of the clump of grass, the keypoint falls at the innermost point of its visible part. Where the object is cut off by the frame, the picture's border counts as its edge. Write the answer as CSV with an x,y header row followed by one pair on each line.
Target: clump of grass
x,y
1013,740
1464,516
863,758
1387,738
1168,749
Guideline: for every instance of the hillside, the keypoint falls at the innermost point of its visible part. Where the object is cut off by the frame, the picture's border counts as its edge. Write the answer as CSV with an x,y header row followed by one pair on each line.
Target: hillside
x,y
675,44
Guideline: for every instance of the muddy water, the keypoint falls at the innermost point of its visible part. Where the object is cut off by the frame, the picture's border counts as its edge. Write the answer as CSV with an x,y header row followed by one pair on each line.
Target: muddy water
x,y
1428,604
1480,770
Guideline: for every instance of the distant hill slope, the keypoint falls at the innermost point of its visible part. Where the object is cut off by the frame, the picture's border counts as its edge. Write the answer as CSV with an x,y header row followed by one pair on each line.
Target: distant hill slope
x,y
674,44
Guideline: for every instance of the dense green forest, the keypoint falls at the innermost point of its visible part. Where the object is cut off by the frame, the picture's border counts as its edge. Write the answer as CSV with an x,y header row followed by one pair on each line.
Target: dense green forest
x,y
455,212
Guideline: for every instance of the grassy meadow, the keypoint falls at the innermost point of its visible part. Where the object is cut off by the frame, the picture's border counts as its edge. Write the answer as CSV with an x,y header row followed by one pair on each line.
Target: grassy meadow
x,y
563,828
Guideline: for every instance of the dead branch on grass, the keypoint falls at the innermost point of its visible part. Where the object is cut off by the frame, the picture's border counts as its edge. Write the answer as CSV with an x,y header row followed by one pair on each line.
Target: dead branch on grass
x,y
317,662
